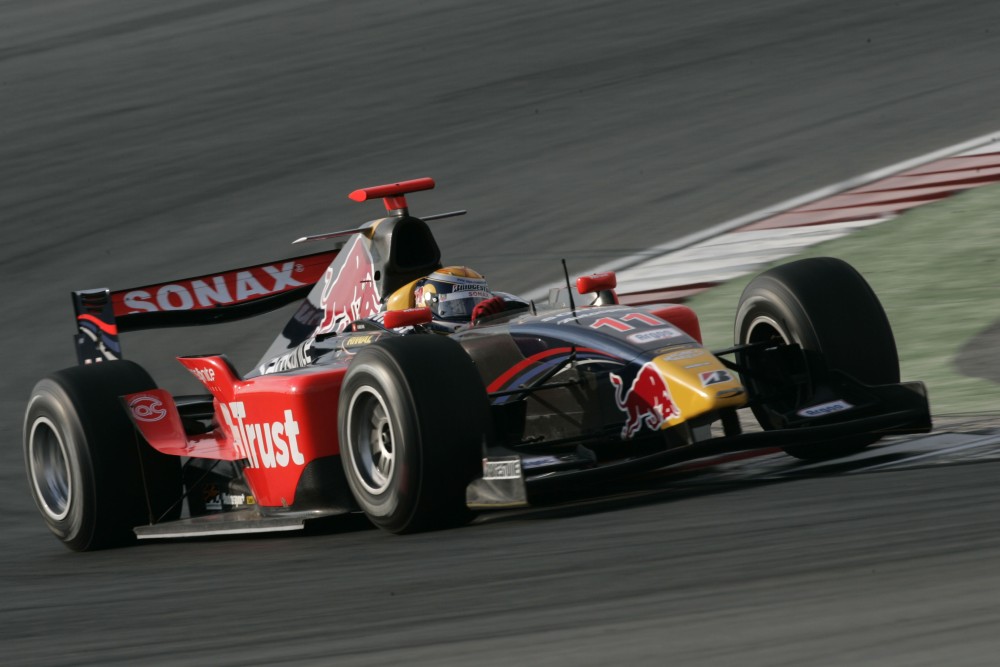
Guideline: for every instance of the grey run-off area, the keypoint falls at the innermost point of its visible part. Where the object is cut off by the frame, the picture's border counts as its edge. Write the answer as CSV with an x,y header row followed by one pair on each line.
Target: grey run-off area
x,y
143,141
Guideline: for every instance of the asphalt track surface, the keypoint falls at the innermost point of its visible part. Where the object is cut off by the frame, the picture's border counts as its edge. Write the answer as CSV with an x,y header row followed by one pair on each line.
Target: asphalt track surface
x,y
143,141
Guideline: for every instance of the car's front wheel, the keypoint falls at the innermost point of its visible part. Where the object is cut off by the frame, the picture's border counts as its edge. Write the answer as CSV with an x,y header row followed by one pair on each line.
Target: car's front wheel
x,y
412,418
824,305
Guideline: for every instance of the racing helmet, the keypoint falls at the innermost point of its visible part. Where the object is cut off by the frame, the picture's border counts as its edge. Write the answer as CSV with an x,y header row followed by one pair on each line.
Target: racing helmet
x,y
451,292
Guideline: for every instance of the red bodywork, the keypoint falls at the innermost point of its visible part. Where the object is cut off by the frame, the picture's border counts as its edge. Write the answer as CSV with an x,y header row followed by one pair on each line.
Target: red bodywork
x,y
223,289
277,424
681,317
393,195
596,282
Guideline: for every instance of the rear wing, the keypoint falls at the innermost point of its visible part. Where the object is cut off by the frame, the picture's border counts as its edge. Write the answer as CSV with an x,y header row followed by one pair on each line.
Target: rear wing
x,y
101,314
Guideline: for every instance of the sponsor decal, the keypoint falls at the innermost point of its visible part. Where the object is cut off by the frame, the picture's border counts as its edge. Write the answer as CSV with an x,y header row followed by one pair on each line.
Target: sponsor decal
x,y
502,468
352,293
708,378
298,357
236,499
219,290
212,498
647,401
686,353
360,340
699,364
825,409
460,284
204,374
655,334
308,315
263,444
147,408
470,291
531,462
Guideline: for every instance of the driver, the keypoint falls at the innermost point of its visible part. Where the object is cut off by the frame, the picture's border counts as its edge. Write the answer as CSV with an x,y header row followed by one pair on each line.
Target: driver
x,y
455,294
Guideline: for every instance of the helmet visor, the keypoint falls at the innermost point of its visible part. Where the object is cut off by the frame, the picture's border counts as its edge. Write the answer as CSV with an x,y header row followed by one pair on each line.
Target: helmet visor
x,y
458,305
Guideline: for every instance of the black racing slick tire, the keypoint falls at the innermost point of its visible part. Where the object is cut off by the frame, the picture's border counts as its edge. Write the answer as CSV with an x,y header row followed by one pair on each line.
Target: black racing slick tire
x,y
826,306
91,475
412,418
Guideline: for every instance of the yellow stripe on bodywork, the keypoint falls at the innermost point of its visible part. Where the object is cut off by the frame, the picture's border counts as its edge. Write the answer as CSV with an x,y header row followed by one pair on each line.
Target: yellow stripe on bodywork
x,y
699,383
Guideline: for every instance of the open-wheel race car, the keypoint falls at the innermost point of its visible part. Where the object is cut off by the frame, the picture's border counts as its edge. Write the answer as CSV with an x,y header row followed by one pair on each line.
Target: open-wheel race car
x,y
393,392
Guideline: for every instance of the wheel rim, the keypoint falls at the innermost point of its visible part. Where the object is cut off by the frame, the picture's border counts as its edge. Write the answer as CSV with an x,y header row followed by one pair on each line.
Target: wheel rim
x,y
48,468
766,329
763,328
371,441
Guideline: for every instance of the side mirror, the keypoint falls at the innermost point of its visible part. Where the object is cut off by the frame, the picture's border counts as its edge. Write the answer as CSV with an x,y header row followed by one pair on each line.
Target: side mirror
x,y
410,317
596,282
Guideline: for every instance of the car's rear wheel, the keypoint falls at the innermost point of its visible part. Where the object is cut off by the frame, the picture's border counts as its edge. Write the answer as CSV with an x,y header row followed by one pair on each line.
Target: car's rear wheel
x,y
90,474
412,417
824,305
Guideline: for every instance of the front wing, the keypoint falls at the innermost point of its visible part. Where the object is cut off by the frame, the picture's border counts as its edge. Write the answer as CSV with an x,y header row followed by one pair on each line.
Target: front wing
x,y
511,478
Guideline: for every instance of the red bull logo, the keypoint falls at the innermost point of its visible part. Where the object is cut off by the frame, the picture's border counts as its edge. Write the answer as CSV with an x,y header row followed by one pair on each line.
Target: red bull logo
x,y
349,291
647,401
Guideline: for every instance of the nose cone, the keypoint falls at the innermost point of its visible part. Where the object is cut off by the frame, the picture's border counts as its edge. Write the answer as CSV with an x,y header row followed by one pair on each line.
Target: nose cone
x,y
699,383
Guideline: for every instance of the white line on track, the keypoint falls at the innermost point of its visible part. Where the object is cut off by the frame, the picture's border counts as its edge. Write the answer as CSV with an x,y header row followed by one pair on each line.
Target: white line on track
x,y
730,255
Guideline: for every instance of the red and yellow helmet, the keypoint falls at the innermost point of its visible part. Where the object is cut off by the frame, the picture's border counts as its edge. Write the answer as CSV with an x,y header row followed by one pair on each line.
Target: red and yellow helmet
x,y
450,292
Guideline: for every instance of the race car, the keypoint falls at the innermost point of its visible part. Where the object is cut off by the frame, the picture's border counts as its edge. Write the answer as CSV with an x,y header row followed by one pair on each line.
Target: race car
x,y
374,398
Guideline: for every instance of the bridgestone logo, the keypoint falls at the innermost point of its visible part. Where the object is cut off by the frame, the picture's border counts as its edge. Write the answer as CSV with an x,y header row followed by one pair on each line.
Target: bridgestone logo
x,y
505,469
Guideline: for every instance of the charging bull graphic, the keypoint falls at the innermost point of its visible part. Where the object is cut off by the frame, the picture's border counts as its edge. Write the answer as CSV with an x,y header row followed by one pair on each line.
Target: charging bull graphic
x,y
349,291
647,401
